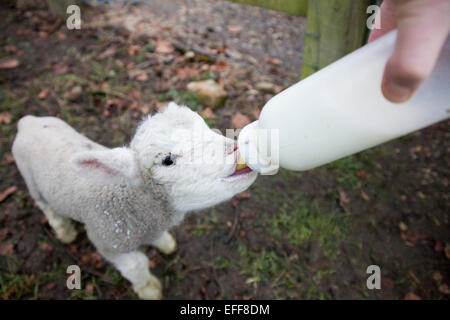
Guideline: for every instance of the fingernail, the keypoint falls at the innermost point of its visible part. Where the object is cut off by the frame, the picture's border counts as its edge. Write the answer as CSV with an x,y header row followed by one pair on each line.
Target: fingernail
x,y
396,92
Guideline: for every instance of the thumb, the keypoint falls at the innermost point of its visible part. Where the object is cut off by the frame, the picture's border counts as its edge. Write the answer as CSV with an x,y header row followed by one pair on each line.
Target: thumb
x,y
423,27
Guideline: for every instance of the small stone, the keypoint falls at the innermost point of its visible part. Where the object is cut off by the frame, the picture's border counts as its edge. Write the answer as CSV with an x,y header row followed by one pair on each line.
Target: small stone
x,y
209,93
74,93
189,55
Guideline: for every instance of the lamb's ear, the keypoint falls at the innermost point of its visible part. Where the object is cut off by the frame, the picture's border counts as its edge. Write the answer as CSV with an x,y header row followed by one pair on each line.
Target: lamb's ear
x,y
112,165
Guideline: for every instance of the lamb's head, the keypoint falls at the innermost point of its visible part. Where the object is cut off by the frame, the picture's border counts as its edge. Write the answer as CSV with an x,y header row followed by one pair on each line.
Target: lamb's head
x,y
176,150
196,165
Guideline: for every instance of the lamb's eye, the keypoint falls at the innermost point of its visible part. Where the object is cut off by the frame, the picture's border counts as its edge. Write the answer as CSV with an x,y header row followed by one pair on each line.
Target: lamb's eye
x,y
168,160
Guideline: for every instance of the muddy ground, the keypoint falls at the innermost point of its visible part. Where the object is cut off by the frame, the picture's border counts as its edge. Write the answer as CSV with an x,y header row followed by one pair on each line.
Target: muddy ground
x,y
308,235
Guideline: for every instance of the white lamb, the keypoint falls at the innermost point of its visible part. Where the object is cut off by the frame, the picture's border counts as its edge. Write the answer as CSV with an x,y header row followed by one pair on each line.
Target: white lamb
x,y
128,197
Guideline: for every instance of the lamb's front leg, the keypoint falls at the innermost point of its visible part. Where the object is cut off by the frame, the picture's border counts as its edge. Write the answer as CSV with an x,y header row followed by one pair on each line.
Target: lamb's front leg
x,y
165,243
63,227
134,267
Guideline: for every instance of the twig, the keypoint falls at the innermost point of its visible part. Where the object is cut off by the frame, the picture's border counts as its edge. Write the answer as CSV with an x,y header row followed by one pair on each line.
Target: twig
x,y
234,227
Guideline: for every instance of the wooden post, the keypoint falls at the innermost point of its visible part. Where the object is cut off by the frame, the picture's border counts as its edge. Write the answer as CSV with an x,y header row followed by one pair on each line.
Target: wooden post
x,y
334,29
59,7
294,7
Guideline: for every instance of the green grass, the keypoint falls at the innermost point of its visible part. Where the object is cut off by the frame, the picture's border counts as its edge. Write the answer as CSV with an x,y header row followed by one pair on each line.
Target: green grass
x,y
295,225
345,171
207,222
14,285
298,223
182,97
210,122
261,266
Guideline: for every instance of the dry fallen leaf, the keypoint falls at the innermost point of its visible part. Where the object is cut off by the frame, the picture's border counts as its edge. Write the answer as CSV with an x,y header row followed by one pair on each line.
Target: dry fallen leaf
x,y
447,250
3,234
111,51
343,198
5,117
437,276
60,69
90,288
152,264
23,32
74,93
92,258
239,120
6,249
62,36
243,195
50,286
402,226
138,74
145,108
256,112
10,48
162,46
222,65
46,247
133,50
208,113
43,94
365,196
9,64
160,106
142,77
234,28
408,238
7,160
412,296
444,288
273,60
438,246
7,192
385,282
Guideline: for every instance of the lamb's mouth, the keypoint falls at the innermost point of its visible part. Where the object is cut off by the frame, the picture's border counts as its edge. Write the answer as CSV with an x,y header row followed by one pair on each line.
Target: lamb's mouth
x,y
240,172
241,167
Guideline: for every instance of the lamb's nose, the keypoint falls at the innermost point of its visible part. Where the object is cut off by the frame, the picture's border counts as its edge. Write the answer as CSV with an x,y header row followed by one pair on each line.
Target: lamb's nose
x,y
230,151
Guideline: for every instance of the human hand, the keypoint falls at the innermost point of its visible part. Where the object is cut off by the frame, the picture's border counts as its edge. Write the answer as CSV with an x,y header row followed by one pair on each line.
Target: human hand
x,y
423,27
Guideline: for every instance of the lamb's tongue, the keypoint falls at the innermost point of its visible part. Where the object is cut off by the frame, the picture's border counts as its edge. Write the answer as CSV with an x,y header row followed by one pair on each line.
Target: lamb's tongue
x,y
240,164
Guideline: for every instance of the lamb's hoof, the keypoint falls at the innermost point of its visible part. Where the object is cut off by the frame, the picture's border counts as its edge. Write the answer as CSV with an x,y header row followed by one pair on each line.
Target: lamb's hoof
x,y
151,290
166,243
170,245
66,235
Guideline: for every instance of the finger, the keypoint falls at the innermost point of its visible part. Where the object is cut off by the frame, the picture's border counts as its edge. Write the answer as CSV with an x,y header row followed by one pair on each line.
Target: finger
x,y
388,20
423,27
